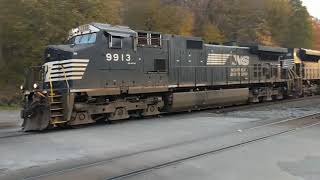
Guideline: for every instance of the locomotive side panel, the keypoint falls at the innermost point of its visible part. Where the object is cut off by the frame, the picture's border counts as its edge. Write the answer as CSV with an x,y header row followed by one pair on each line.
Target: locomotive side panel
x,y
153,54
185,57
120,67
117,73
228,65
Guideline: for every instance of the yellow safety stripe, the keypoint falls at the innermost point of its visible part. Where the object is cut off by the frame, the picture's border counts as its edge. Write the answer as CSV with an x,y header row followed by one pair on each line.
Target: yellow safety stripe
x,y
65,76
51,85
40,94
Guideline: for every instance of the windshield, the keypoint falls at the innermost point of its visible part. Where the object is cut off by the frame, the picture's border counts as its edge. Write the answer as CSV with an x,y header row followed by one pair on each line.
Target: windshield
x,y
84,39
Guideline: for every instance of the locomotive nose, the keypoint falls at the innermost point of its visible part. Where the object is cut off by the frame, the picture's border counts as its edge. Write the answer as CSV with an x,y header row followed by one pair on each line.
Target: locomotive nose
x,y
57,53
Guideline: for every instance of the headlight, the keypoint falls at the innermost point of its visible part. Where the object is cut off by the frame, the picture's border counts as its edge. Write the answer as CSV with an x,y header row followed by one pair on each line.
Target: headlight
x,y
35,85
21,87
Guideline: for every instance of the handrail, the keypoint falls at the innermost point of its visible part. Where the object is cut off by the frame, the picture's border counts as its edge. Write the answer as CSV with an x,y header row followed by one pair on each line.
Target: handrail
x,y
51,84
65,77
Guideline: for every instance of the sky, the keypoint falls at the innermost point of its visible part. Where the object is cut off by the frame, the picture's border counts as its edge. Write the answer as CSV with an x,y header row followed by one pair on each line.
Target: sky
x,y
313,7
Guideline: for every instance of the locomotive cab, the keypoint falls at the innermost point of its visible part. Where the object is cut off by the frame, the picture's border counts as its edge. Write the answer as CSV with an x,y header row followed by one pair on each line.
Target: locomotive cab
x,y
308,65
49,89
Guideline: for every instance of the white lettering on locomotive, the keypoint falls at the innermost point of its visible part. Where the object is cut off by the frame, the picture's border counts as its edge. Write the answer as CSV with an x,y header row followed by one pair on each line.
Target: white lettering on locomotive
x,y
231,60
241,60
118,57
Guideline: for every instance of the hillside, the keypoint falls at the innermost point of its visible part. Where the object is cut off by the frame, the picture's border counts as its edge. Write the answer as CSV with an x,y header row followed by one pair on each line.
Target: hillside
x,y
28,26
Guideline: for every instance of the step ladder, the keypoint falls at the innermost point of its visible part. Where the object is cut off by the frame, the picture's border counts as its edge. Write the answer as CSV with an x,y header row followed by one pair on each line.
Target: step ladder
x,y
295,82
56,102
56,109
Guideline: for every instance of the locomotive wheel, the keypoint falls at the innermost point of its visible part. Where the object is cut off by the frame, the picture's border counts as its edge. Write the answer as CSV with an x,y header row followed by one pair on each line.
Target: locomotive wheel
x,y
38,119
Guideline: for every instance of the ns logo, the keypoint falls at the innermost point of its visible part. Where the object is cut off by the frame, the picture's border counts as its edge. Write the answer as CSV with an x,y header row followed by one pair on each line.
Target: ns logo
x,y
240,60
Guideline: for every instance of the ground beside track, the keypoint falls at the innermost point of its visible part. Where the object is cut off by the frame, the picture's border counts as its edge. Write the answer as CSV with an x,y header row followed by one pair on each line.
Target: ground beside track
x,y
44,152
9,119
10,123
293,156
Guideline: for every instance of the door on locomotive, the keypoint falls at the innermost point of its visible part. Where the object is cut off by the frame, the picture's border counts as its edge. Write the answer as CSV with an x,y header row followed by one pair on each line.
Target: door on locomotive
x,y
195,60
186,60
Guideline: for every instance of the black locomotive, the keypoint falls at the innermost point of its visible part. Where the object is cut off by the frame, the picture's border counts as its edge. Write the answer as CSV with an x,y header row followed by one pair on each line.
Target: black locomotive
x,y
111,73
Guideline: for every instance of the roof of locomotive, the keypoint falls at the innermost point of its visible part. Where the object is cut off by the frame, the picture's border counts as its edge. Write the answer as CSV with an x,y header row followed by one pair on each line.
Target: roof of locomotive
x,y
269,49
308,55
125,31
311,52
114,29
122,31
226,46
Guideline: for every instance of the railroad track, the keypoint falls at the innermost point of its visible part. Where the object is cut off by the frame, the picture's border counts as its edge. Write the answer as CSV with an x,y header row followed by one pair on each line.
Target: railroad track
x,y
14,134
19,133
254,105
291,124
215,151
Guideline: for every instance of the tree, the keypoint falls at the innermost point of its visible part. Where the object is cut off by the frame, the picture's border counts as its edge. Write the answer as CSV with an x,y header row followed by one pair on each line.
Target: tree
x,y
237,19
277,14
264,35
153,15
211,34
316,26
27,27
290,23
301,29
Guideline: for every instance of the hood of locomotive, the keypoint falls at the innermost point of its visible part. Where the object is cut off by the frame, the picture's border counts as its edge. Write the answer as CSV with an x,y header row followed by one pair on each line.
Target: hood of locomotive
x,y
65,64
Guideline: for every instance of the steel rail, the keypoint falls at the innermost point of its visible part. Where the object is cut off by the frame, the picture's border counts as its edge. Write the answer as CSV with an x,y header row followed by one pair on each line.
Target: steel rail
x,y
15,134
216,151
173,162
256,105
210,110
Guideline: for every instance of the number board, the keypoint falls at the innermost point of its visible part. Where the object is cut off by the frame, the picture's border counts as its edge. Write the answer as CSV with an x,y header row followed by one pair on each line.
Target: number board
x,y
120,60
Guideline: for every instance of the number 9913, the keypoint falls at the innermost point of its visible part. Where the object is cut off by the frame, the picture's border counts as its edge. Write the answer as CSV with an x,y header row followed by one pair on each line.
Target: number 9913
x,y
118,57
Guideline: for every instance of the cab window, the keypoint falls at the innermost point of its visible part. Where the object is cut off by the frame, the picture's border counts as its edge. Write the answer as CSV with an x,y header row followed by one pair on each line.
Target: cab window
x,y
115,42
85,39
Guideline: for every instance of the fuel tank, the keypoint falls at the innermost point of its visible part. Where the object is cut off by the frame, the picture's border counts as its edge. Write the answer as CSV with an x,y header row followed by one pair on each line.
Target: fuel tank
x,y
195,100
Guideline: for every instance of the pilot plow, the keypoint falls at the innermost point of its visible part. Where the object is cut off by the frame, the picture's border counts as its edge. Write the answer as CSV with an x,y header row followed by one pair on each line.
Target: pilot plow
x,y
36,116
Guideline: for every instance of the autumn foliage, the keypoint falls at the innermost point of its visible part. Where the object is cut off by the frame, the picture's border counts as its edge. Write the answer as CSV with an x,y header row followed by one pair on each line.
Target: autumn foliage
x,y
316,26
27,26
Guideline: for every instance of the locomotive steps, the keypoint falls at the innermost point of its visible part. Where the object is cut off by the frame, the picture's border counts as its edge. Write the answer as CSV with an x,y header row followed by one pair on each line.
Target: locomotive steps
x,y
56,109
